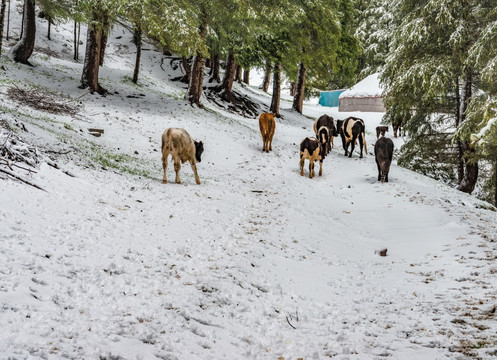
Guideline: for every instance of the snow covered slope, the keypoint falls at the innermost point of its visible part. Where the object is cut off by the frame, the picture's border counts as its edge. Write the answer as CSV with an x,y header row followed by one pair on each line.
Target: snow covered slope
x,y
255,263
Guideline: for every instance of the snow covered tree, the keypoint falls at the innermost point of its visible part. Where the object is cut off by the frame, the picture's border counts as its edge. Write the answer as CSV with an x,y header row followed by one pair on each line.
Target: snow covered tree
x,y
430,85
374,30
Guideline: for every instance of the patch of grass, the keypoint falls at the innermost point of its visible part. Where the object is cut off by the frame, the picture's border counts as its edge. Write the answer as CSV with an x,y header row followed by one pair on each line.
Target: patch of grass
x,y
124,163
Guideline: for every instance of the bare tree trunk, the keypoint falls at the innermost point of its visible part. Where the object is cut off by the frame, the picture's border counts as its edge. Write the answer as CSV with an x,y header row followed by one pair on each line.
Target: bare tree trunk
x,y
2,19
275,101
21,52
238,76
495,183
49,18
298,100
246,76
215,69
22,21
195,86
460,153
89,78
8,23
468,183
187,68
229,76
104,37
292,88
208,62
267,76
137,39
76,43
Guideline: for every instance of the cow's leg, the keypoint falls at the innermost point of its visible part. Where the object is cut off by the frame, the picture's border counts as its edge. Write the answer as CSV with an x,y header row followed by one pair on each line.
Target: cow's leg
x,y
386,177
345,145
194,168
177,167
165,155
361,144
320,167
311,168
331,140
352,146
302,160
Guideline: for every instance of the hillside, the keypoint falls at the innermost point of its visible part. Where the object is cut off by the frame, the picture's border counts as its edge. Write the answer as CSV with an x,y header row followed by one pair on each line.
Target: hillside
x,y
255,263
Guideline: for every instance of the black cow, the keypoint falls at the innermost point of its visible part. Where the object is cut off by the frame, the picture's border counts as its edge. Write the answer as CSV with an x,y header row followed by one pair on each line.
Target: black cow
x,y
329,122
350,130
381,130
312,150
383,153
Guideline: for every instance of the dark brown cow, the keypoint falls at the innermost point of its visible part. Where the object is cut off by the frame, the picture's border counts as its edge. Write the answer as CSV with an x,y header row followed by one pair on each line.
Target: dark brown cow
x,y
397,126
381,130
183,148
313,150
383,153
267,126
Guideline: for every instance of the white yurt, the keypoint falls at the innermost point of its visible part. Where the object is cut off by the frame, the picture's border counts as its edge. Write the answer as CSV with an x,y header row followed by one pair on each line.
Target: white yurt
x,y
366,95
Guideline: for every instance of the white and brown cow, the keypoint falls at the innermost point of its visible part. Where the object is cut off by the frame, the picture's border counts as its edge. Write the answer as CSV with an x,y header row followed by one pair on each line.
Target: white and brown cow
x,y
183,148
352,129
312,150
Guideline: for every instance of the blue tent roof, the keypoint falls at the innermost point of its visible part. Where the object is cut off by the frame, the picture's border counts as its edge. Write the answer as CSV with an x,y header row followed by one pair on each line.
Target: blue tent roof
x,y
330,98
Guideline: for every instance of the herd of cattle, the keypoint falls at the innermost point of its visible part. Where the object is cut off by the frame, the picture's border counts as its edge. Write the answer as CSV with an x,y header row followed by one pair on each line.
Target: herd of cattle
x,y
182,147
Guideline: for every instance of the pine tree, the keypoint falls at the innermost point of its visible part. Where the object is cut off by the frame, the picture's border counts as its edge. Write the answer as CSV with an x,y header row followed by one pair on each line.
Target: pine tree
x,y
375,28
431,84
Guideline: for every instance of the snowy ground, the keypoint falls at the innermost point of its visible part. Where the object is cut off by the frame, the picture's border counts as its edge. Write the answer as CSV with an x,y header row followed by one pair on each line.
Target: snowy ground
x,y
255,263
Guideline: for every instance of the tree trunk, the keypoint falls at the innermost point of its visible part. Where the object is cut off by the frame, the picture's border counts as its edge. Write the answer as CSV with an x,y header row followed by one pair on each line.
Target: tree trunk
x,y
22,20
495,183
298,99
89,78
76,43
8,23
137,39
246,76
2,19
215,69
470,178
292,88
275,101
460,161
187,68
104,37
21,52
229,76
195,86
238,76
208,62
49,18
267,76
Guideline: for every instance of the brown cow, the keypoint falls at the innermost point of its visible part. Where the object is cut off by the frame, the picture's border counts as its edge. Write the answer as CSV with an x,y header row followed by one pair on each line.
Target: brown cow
x,y
381,130
267,126
183,148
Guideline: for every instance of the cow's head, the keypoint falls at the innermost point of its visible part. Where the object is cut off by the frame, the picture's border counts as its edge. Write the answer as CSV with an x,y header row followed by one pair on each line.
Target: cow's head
x,y
199,149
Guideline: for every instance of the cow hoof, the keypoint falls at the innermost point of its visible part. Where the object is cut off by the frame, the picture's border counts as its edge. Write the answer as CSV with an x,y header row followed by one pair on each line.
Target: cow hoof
x,y
164,181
